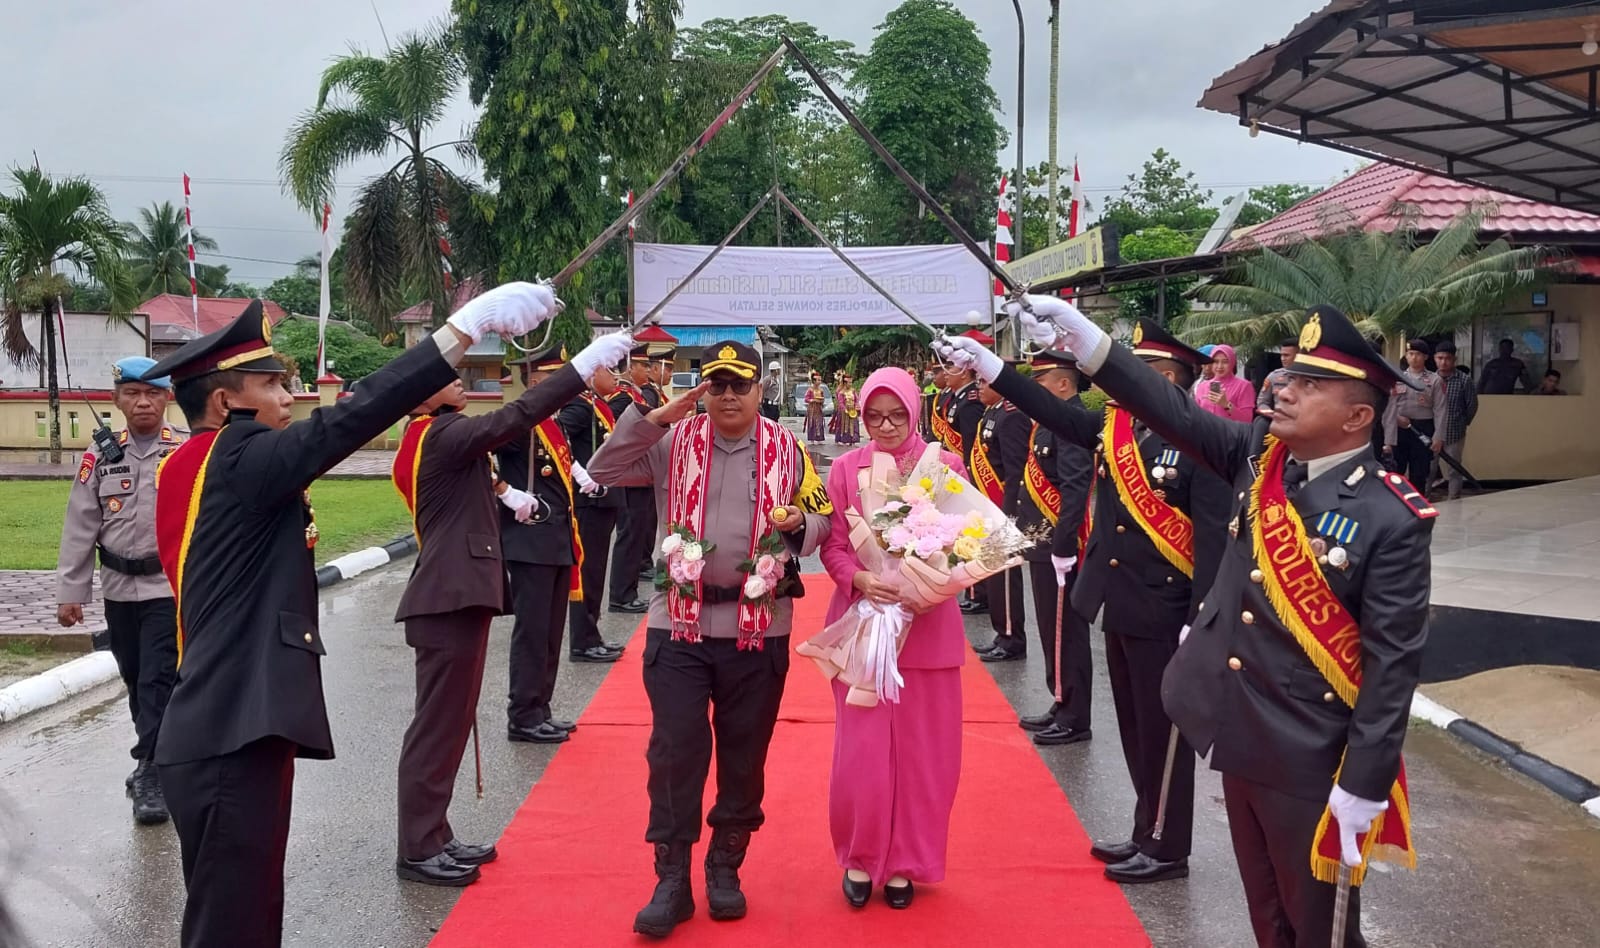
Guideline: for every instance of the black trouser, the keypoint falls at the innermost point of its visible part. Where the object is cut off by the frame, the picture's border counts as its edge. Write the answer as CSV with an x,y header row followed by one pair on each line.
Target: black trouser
x,y
1006,614
1272,836
742,690
1076,658
450,650
1135,666
770,410
1413,456
539,599
232,817
144,641
636,532
595,525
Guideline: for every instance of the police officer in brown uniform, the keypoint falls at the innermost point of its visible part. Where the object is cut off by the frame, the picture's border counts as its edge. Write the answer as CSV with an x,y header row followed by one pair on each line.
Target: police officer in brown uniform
x,y
1299,673
746,485
235,531
457,587
112,510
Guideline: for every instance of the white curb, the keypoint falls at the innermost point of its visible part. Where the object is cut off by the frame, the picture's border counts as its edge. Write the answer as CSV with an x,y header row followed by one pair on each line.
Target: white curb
x,y
354,564
57,684
1593,806
1432,711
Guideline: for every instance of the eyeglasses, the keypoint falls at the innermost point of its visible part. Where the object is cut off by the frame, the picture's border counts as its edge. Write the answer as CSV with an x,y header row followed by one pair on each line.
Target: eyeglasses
x,y
739,386
894,419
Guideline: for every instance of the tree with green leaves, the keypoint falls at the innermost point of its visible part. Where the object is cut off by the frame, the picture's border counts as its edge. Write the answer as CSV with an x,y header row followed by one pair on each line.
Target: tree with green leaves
x,y
49,229
1036,206
1160,300
351,354
409,220
1397,283
1264,203
1162,194
158,253
925,93
296,293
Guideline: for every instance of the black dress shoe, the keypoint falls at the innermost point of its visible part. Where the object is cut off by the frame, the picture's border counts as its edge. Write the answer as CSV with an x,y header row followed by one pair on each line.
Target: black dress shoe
x,y
594,656
898,896
440,870
856,893
568,726
127,782
1114,852
1002,655
471,854
1038,722
1141,868
618,649
973,608
635,607
543,734
1056,735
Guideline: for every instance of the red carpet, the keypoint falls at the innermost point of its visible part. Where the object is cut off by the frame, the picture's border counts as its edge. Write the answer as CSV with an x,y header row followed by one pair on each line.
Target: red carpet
x,y
574,867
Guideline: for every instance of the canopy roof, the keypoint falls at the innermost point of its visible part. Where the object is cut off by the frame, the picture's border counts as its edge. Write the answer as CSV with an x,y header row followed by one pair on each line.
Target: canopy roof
x,y
1495,92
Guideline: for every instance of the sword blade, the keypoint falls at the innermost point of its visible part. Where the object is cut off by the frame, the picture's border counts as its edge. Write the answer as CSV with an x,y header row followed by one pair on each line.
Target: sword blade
x,y
673,170
1166,784
1341,907
700,267
911,183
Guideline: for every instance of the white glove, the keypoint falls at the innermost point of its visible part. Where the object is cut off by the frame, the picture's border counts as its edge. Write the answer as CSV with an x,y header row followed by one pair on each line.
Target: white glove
x,y
1039,333
1082,335
523,504
1183,633
605,351
1355,816
586,484
510,309
965,353
1063,565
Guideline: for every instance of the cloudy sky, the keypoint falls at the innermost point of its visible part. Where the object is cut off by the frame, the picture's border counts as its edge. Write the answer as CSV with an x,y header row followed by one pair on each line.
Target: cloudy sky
x,y
134,94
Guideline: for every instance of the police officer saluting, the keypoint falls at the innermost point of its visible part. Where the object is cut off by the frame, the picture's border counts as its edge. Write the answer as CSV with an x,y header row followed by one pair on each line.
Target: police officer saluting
x,y
112,510
1299,673
235,530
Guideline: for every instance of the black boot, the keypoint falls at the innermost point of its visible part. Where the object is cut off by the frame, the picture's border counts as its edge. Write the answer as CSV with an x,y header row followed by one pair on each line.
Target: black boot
x,y
672,902
149,804
723,860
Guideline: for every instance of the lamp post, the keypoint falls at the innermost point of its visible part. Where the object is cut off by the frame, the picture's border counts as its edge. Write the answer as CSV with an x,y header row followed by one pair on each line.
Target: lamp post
x,y
1016,212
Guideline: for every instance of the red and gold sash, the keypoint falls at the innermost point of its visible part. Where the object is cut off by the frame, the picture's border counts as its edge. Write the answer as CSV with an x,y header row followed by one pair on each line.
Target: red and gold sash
x,y
947,433
180,479
408,464
555,444
608,418
1331,638
1045,495
984,474
633,392
1169,528
1086,525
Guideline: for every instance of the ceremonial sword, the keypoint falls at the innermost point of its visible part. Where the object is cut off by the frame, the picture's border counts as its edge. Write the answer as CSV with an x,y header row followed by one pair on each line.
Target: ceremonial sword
x,y
1166,784
1341,905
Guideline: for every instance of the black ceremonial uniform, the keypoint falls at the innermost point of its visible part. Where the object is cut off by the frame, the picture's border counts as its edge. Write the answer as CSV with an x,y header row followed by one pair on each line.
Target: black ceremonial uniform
x,y
636,522
587,422
1144,602
539,560
1003,437
964,411
234,528
1242,686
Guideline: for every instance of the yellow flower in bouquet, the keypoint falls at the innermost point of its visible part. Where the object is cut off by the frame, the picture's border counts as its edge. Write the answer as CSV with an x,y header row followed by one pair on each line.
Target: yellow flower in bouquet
x,y
954,486
967,548
926,483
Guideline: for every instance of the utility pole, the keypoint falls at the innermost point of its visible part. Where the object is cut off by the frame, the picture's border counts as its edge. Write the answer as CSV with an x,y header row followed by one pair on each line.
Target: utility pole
x,y
1055,82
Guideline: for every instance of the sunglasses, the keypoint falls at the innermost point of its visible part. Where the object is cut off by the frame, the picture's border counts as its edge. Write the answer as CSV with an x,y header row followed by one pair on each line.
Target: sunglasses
x,y
739,386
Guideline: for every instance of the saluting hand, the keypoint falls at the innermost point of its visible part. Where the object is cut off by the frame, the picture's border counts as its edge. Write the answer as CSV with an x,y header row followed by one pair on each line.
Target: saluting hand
x,y
679,408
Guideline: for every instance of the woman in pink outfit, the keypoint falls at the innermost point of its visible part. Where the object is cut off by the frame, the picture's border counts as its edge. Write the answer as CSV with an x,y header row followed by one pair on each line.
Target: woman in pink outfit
x,y
1226,394
895,766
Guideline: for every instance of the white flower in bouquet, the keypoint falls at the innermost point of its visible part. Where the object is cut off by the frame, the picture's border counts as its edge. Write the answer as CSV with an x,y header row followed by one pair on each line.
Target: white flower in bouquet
x,y
672,544
755,587
692,552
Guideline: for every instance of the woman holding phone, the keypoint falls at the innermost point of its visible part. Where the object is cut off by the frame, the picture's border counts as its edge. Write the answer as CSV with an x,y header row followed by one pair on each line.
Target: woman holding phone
x,y
1225,393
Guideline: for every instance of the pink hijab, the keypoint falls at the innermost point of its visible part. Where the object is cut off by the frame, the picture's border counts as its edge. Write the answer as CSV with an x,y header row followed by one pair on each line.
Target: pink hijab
x,y
899,383
1241,394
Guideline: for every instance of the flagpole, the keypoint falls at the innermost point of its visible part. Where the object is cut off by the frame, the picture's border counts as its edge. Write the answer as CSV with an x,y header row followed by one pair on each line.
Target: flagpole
x,y
1055,82
194,285
325,298
1019,179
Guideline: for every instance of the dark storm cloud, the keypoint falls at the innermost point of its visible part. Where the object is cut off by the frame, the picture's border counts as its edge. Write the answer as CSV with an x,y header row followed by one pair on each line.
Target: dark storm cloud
x,y
136,94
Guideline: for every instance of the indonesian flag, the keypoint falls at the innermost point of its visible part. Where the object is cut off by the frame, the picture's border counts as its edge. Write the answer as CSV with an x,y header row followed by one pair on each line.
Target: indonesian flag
x,y
188,226
631,227
325,297
1077,200
1003,242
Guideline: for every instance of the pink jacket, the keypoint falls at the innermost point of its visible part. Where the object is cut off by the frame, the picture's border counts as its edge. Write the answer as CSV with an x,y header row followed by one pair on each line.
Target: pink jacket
x,y
937,638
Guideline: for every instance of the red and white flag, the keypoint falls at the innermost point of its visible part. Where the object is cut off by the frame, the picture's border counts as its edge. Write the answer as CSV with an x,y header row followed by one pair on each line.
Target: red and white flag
x,y
325,298
1003,242
631,226
1077,200
194,285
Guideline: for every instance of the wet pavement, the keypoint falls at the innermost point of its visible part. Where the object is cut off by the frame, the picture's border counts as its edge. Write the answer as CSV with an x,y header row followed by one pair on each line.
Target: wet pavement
x,y
1503,862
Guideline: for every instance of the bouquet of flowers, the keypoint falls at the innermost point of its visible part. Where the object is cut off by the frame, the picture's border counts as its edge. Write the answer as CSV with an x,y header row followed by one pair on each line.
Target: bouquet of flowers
x,y
931,535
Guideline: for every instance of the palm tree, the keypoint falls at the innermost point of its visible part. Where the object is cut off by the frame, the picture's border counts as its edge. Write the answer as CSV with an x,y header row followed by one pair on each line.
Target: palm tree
x,y
158,253
47,227
1392,284
396,237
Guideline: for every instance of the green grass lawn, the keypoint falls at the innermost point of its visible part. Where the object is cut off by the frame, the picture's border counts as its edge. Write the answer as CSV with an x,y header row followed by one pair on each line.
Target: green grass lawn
x,y
351,514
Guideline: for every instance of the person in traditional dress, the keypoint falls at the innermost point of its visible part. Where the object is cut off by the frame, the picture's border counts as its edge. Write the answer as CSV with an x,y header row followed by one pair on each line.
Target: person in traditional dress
x,y
847,413
895,765
816,396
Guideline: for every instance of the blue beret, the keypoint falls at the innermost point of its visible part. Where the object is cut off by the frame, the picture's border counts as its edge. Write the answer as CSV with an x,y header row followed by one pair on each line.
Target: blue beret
x,y
1207,350
133,369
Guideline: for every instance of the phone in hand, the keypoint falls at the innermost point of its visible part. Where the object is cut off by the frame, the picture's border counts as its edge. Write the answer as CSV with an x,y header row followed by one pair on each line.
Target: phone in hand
x,y
1216,387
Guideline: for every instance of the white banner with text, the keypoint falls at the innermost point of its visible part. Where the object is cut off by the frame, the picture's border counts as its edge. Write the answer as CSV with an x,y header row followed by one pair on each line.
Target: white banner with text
x,y
809,286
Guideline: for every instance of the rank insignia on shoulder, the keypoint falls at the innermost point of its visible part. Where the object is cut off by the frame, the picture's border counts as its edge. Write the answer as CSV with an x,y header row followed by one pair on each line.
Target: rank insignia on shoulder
x,y
1410,496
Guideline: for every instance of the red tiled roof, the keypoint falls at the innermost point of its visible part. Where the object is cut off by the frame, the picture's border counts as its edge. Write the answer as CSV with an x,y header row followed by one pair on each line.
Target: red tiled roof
x,y
423,312
1378,197
170,309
